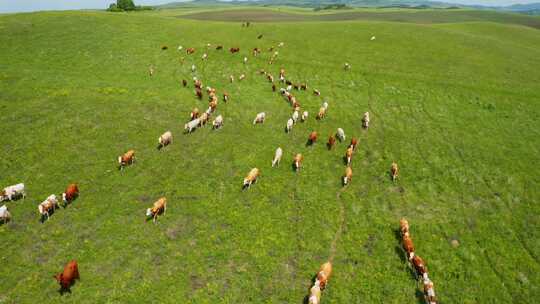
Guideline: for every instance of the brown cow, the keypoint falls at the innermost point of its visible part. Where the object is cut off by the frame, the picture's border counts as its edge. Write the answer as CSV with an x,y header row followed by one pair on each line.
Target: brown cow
x,y
419,266
404,227
159,207
251,177
322,113
331,142
67,277
354,142
198,93
394,170
348,176
126,159
324,274
198,84
316,92
303,86
429,292
225,96
194,114
184,83
312,138
234,50
190,51
348,155
408,246
71,193
298,158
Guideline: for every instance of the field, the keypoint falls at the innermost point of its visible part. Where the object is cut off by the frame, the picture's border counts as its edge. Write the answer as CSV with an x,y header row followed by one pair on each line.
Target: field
x,y
455,104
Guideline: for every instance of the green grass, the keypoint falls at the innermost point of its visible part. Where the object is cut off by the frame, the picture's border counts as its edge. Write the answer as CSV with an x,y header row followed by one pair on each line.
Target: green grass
x,y
455,104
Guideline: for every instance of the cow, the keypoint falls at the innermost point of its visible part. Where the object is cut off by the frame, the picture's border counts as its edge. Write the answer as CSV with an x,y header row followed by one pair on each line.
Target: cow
x,y
315,294
251,177
348,155
282,75
12,192
260,36
159,207
297,161
429,292
151,70
197,83
47,207
256,51
165,139
322,113
218,122
234,50
394,170
67,278
259,118
281,44
316,92
340,134
419,266
184,83
126,159
347,66
211,106
273,87
408,246
5,216
219,47
373,38
231,78
331,142
354,142
71,193
190,126
241,77
296,86
204,56
245,59
312,138
295,116
203,119
325,105
365,120
194,114
289,126
404,227
348,176
180,47
190,51
303,86
193,68
304,116
198,93
324,274
164,47
270,78
277,156
225,96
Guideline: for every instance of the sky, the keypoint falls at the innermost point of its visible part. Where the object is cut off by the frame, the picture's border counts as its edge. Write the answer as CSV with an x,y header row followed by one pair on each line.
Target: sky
x,y
10,6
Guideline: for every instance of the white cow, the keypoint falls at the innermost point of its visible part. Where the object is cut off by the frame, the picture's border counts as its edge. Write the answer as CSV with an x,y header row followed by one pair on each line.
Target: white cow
x,y
340,134
180,47
11,192
347,66
290,124
48,205
373,38
165,139
295,116
5,216
304,116
259,118
218,122
192,125
204,56
245,60
277,156
325,105
365,120
193,68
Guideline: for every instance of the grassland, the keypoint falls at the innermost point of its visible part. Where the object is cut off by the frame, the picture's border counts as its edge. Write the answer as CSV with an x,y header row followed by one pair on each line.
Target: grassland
x,y
455,104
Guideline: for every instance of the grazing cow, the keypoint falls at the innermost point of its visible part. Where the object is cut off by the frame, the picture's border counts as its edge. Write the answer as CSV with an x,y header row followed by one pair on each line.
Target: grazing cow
x,y
198,84
194,114
297,161
48,206
13,192
373,38
71,193
394,170
429,292
5,216
347,66
180,47
322,113
184,83
273,87
289,88
193,68
211,106
281,44
151,70
198,93
231,78
348,176
234,50
312,138
289,126
190,126
348,155
159,207
219,47
165,139
277,156
365,120
325,105
190,51
203,119
245,59
204,56
67,277
295,116
340,134
404,227
218,122
316,92
260,36
296,86
242,77
315,294
408,246
164,47
331,142
126,159
324,274
225,96
256,51
419,266
259,118
354,142
270,78
303,87
304,116
251,177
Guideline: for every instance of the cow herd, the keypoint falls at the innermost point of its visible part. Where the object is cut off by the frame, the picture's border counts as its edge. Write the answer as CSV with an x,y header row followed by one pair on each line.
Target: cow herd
x,y
198,119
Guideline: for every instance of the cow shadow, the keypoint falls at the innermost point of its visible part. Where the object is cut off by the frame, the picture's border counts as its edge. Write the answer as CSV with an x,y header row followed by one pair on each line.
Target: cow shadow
x,y
329,146
345,160
309,143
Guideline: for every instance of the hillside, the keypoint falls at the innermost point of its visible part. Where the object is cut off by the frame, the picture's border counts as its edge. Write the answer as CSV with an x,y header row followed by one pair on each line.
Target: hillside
x,y
455,104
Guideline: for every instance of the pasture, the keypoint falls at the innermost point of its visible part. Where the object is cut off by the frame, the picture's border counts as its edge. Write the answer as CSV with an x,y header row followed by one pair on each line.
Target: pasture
x,y
456,105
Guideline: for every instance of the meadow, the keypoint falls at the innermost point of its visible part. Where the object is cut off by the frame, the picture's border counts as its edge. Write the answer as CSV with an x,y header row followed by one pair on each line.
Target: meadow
x,y
455,104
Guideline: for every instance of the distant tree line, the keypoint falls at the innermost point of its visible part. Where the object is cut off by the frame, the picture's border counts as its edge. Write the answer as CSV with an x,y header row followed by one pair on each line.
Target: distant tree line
x,y
332,6
127,6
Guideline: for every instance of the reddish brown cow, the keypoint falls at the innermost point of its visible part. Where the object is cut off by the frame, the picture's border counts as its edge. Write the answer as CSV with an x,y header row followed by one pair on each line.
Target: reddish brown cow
x,y
234,50
419,266
408,246
126,159
198,92
312,138
71,193
404,227
190,51
331,142
198,84
354,142
67,278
